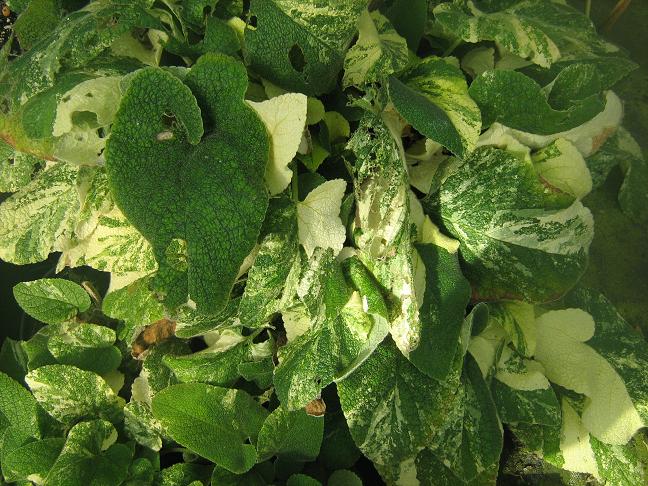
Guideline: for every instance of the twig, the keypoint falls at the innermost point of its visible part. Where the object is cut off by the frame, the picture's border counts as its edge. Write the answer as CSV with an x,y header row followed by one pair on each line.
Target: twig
x,y
616,13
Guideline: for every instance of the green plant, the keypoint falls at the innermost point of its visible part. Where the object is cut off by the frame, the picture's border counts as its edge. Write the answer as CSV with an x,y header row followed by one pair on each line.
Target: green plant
x,y
333,230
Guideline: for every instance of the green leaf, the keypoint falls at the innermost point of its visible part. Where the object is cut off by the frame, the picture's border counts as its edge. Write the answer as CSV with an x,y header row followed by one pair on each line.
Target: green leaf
x,y
538,30
340,333
300,45
90,456
86,346
378,52
141,163
51,300
154,375
13,359
40,218
32,461
472,444
409,18
184,474
69,394
342,477
267,276
302,480
217,365
190,323
16,168
211,421
622,465
446,296
433,97
338,451
393,409
295,436
518,241
141,426
260,475
17,408
517,101
134,304
431,471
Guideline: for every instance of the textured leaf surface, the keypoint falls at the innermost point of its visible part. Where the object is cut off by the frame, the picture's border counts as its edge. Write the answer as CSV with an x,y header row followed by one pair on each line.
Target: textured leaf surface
x,y
17,408
141,426
300,45
39,218
69,394
517,101
86,346
433,97
141,166
541,31
268,274
392,409
90,456
16,168
517,239
51,300
295,436
378,52
33,460
211,421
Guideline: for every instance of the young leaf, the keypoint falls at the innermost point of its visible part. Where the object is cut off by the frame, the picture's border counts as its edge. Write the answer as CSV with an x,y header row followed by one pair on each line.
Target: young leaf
x,y
90,456
433,97
295,436
517,240
211,421
218,235
51,300
301,45
285,119
69,394
318,217
378,52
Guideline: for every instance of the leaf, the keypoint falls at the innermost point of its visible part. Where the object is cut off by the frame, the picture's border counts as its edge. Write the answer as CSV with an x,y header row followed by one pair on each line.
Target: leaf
x,y
17,409
16,168
39,218
318,217
562,337
446,296
342,477
378,52
33,460
213,422
472,444
51,300
294,436
622,465
86,346
69,394
302,480
267,276
184,474
344,328
134,304
141,426
216,365
542,31
218,235
433,97
518,241
517,101
392,409
285,119
431,471
90,456
518,319
562,166
409,18
301,45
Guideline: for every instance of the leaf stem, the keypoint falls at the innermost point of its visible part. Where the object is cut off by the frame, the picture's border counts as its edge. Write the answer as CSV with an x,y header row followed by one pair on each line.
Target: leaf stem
x,y
588,7
295,184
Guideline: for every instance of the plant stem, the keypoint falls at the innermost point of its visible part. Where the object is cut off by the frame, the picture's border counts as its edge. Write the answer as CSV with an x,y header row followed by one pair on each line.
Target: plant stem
x,y
295,184
588,7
